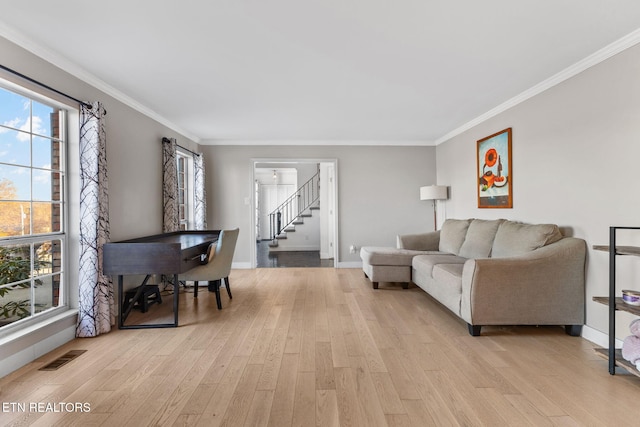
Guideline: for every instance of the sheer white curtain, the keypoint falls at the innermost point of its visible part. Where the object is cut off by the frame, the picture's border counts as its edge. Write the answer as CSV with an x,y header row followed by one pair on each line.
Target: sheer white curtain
x,y
96,308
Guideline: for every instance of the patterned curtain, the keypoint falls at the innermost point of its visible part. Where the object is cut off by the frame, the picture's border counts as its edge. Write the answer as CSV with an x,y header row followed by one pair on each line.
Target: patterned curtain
x,y
96,300
171,220
200,202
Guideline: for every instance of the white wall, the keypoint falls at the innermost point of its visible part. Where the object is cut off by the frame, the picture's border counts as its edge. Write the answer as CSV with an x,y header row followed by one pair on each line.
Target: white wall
x,y
328,212
378,191
576,152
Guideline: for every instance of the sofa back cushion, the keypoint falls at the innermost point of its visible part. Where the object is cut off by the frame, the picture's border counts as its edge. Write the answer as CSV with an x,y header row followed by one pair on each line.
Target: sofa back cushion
x,y
479,239
515,238
452,235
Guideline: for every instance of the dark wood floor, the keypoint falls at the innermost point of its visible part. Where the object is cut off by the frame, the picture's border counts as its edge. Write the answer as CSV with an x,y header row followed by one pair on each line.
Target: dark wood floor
x,y
288,259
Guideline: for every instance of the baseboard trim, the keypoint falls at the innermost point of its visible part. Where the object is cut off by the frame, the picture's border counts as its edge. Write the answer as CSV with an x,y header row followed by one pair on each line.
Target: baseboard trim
x,y
285,248
597,337
241,265
26,345
349,264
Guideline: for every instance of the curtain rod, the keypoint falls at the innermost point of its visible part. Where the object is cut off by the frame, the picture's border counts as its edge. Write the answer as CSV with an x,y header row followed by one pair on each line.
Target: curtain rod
x,y
164,138
86,104
186,149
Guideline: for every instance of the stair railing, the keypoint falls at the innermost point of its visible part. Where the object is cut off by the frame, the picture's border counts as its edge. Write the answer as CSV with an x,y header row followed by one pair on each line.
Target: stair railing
x,y
294,206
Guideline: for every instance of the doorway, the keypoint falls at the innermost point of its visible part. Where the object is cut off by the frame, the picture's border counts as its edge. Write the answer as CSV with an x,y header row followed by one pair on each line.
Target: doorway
x,y
312,240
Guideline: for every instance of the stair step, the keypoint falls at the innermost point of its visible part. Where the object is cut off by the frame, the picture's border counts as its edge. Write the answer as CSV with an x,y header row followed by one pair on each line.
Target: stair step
x,y
314,207
289,229
281,236
298,221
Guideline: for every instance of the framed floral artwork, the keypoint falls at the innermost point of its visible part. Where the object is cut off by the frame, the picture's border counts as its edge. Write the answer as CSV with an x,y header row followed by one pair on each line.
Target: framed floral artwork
x,y
495,179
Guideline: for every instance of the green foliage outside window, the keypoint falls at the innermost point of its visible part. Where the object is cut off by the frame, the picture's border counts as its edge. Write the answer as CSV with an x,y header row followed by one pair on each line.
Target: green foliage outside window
x,y
14,267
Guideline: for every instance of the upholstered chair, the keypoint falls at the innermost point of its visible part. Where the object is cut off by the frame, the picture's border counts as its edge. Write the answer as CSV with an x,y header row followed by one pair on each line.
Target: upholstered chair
x,y
218,266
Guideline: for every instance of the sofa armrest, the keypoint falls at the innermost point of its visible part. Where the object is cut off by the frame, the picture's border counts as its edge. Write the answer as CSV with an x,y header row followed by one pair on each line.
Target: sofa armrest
x,y
419,242
542,287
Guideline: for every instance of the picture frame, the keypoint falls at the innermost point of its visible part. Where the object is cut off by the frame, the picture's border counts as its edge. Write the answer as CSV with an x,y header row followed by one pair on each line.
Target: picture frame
x,y
494,172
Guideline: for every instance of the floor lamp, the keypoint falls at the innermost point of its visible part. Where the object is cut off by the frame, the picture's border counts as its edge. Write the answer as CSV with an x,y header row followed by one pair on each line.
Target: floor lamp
x,y
433,192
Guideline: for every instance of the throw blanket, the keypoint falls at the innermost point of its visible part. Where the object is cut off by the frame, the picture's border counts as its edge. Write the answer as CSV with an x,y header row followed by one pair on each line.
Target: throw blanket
x,y
631,344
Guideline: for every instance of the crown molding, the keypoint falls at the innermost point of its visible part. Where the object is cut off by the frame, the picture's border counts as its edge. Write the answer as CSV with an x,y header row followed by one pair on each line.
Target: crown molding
x,y
599,56
80,73
310,142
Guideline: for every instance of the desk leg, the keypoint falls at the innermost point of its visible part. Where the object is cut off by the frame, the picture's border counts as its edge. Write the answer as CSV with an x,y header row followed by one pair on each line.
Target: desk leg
x,y
176,298
120,301
122,316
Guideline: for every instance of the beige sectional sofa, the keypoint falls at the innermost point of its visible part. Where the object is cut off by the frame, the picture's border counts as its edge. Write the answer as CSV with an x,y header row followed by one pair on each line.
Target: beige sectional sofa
x,y
491,272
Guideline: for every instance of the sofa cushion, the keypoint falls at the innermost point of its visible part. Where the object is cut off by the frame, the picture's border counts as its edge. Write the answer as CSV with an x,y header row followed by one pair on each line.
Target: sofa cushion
x,y
426,263
419,242
447,289
374,255
515,238
479,238
449,275
452,235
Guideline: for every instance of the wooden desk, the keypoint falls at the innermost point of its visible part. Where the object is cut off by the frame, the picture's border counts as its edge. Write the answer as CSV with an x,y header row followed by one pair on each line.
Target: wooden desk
x,y
166,253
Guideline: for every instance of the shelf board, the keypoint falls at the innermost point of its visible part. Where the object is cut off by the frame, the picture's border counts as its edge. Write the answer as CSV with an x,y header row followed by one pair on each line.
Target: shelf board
x,y
620,305
620,361
620,250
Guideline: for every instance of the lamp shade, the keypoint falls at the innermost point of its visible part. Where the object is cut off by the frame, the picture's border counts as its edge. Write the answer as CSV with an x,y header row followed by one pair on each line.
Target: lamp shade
x,y
433,192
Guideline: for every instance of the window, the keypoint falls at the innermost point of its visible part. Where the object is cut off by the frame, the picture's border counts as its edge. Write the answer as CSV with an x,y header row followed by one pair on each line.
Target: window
x,y
32,206
183,187
185,190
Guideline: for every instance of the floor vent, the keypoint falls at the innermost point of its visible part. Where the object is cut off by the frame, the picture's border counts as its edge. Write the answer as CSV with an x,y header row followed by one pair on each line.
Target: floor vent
x,y
62,360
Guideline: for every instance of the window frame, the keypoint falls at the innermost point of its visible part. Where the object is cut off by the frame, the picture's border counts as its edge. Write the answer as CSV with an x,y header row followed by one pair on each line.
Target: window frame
x,y
67,114
189,188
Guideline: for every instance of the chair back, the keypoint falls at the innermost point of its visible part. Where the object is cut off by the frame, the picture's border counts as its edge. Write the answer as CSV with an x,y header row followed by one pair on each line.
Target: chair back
x,y
225,248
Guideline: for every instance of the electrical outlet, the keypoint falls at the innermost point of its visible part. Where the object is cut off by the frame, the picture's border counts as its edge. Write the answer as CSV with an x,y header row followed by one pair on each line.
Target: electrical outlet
x,y
352,249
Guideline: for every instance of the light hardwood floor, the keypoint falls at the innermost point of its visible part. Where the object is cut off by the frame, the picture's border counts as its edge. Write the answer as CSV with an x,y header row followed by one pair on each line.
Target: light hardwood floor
x,y
320,347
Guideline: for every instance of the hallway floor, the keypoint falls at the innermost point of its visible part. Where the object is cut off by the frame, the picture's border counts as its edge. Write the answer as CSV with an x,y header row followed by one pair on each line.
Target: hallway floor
x,y
288,259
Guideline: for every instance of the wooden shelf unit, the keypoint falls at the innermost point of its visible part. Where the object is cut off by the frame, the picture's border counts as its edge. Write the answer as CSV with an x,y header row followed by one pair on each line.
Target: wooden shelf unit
x,y
620,250
620,361
620,305
616,303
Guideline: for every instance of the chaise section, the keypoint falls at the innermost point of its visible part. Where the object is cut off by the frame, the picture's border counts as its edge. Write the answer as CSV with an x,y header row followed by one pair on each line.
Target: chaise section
x,y
386,264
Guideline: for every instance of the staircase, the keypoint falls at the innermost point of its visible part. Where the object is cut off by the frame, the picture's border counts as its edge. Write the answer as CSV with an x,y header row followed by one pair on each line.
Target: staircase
x,y
294,210
302,235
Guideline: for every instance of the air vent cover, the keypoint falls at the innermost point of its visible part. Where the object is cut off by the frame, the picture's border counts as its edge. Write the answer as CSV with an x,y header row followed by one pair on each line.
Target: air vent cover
x,y
62,360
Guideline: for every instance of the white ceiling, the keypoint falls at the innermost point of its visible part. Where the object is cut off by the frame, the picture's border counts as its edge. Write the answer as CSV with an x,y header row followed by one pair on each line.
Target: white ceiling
x,y
406,71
